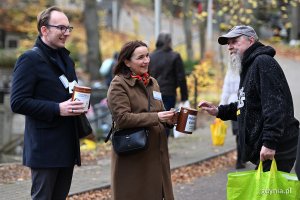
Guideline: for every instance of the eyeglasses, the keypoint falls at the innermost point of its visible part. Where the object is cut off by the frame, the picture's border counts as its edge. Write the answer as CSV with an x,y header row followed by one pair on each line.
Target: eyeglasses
x,y
62,28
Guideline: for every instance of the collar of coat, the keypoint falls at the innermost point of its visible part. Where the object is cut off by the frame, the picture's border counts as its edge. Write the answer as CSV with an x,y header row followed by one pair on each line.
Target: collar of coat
x,y
48,50
132,81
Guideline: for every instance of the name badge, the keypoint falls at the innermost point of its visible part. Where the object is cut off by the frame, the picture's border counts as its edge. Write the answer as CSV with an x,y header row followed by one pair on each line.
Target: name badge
x,y
64,81
71,86
157,95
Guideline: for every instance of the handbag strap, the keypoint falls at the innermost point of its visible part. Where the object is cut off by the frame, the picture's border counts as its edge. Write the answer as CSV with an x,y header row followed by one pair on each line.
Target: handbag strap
x,y
113,122
57,70
42,55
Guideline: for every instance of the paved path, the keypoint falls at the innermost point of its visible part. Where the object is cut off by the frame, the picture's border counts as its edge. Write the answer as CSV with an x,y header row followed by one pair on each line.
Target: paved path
x,y
207,188
291,69
186,150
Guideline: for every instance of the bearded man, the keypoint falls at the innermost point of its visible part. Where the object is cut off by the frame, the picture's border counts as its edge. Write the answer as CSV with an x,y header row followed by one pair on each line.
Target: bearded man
x,y
264,110
229,95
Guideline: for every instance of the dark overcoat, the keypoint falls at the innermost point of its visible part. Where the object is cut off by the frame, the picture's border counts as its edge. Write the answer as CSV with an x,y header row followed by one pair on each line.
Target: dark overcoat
x,y
50,140
146,174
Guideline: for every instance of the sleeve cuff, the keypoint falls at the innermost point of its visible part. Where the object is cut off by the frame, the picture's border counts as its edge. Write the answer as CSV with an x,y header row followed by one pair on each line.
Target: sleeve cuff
x,y
169,126
56,109
270,145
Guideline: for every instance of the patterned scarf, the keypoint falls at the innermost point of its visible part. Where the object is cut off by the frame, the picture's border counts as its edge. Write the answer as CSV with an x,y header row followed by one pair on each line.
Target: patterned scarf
x,y
144,77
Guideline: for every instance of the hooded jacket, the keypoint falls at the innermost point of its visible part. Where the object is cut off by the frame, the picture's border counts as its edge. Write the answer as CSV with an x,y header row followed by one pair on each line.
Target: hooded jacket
x,y
167,68
264,110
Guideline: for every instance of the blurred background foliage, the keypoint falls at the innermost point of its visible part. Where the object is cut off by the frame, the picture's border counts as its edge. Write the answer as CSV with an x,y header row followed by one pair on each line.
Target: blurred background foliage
x,y
205,81
275,15
22,18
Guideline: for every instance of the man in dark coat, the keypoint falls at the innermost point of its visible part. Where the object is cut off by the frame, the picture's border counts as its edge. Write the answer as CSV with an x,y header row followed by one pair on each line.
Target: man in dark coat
x,y
41,90
264,111
167,68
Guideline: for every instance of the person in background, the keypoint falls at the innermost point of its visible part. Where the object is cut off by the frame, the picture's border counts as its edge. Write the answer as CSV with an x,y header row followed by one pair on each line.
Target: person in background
x,y
229,95
113,64
107,68
41,91
167,67
146,174
264,110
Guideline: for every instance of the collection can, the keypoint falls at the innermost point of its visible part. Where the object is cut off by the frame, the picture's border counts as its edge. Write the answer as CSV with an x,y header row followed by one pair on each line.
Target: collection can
x,y
186,121
82,93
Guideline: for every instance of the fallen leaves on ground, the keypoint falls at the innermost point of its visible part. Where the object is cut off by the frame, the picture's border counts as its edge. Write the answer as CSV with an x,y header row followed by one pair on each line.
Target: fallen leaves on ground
x,y
13,172
189,173
180,175
92,157
16,172
103,194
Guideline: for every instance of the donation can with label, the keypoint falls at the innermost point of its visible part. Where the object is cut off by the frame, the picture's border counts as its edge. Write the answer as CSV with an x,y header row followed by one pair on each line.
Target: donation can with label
x,y
186,122
81,93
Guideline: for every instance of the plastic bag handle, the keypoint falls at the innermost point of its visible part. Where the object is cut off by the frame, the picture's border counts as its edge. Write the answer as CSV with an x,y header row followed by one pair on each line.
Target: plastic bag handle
x,y
273,169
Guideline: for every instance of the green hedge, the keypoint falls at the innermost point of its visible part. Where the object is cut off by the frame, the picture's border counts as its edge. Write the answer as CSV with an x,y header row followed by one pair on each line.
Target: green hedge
x,y
8,58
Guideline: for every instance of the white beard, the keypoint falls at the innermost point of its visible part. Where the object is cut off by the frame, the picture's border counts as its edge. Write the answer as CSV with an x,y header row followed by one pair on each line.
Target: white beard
x,y
236,63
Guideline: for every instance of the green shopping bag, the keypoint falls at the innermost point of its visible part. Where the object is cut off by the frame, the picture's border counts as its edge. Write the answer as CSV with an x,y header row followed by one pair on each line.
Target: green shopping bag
x,y
259,185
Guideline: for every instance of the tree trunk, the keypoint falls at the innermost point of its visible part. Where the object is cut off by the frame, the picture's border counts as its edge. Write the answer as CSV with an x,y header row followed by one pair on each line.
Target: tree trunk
x,y
91,23
120,4
187,24
295,22
202,30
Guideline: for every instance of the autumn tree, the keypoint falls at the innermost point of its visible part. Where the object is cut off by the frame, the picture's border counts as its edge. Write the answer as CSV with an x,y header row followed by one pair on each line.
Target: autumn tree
x,y
268,13
19,16
91,22
182,9
187,26
295,16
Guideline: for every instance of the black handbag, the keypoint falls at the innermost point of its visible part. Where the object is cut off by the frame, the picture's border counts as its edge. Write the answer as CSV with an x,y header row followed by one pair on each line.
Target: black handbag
x,y
129,141
83,126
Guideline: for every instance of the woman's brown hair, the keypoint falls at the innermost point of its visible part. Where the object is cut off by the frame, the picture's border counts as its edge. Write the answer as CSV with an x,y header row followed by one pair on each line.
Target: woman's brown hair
x,y
125,54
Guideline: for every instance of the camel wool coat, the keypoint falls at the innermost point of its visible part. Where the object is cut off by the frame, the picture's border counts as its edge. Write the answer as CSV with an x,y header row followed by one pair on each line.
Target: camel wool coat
x,y
146,174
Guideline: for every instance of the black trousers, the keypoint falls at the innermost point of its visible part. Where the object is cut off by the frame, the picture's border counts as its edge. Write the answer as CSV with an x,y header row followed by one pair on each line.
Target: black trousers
x,y
169,102
235,131
51,183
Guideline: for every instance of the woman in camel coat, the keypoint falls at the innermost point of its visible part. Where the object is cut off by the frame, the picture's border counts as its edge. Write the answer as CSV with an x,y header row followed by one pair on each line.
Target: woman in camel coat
x,y
145,174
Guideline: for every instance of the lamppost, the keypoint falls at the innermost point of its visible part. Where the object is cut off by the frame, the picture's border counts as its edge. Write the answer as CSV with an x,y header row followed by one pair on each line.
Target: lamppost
x,y
209,29
157,10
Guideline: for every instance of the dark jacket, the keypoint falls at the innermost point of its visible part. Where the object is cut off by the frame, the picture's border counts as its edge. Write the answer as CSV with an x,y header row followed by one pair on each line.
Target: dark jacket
x,y
144,175
265,110
167,68
50,140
